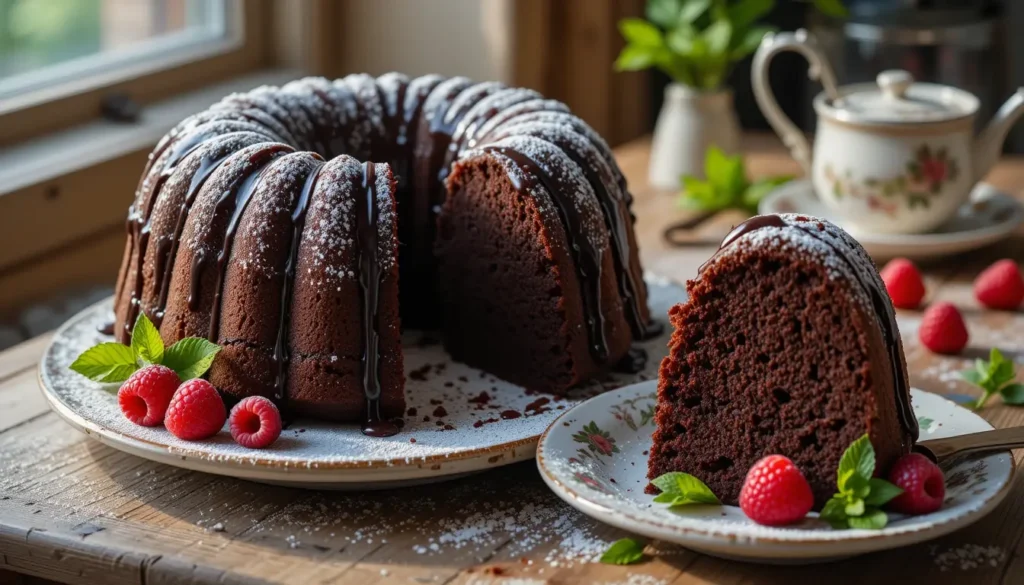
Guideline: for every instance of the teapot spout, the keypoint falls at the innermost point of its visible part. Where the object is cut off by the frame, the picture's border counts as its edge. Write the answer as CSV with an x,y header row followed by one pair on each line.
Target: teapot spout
x,y
989,144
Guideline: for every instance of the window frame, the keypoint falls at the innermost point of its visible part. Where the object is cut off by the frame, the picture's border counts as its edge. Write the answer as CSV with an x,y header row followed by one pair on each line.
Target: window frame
x,y
79,100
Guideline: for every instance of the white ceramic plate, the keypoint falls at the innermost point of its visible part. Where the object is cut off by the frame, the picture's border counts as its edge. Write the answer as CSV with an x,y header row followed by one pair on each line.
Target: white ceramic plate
x,y
454,430
594,458
990,216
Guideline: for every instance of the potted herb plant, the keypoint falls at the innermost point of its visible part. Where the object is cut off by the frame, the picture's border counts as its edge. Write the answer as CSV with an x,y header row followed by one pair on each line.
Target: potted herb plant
x,y
696,43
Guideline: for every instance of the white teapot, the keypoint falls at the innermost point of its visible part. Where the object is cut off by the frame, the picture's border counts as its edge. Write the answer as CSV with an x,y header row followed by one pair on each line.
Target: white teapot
x,y
896,156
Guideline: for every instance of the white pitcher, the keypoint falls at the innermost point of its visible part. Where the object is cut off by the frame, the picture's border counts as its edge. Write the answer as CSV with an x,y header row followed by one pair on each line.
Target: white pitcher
x,y
895,156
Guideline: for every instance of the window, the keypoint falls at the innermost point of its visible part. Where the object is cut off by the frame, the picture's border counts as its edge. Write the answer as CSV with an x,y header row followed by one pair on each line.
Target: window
x,y
61,59
43,42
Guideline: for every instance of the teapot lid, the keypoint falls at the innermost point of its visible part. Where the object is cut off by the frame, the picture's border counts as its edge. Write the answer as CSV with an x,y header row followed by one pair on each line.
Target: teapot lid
x,y
895,98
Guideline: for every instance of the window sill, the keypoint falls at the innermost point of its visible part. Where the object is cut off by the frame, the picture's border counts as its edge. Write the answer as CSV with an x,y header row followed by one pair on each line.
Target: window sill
x,y
59,154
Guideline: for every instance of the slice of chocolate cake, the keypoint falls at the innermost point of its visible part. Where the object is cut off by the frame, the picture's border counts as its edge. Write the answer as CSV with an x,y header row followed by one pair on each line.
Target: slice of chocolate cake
x,y
787,345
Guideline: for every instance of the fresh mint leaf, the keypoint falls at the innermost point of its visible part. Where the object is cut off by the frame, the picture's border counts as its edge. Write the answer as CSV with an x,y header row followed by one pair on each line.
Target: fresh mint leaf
x,y
834,512
726,186
623,552
191,357
881,492
994,376
873,519
641,33
860,457
972,376
146,341
685,489
854,507
106,362
1013,394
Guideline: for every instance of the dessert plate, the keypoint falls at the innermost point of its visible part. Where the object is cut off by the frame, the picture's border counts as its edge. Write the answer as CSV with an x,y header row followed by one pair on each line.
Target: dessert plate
x,y
988,217
460,419
595,458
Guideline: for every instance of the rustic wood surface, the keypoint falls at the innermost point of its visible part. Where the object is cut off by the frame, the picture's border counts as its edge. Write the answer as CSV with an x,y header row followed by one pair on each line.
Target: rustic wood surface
x,y
74,511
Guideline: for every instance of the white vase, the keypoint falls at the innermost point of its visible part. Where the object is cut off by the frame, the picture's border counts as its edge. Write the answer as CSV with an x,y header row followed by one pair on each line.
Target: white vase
x,y
690,122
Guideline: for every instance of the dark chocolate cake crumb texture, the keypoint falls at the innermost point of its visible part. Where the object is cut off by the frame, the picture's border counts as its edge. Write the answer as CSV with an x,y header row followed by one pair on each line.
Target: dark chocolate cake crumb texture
x,y
787,345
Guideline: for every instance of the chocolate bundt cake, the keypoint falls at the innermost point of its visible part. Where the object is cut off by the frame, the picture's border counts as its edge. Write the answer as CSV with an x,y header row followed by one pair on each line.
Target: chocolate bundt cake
x,y
787,345
490,212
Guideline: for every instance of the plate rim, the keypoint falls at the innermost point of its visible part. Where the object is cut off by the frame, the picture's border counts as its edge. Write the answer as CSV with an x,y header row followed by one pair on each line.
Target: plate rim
x,y
979,236
760,546
257,466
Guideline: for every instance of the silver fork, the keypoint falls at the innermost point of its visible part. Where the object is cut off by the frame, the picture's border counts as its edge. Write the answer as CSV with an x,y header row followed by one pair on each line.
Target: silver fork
x,y
942,450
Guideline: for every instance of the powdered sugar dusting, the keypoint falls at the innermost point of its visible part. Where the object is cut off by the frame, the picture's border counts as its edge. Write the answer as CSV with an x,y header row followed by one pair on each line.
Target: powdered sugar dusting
x,y
575,189
478,412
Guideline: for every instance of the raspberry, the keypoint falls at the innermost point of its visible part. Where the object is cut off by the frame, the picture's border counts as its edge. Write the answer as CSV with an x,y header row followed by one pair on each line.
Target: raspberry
x,y
775,493
196,411
255,422
942,329
922,483
145,395
1000,286
904,283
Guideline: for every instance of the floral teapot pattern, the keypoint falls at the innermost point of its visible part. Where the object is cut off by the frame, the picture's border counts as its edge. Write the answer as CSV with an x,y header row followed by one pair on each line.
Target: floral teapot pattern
x,y
895,156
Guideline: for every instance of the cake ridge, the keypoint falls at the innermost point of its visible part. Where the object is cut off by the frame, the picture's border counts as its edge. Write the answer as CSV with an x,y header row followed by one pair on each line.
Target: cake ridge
x,y
309,224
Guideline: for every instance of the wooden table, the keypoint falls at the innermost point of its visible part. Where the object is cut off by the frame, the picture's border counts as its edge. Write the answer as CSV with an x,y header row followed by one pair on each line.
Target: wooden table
x,y
74,511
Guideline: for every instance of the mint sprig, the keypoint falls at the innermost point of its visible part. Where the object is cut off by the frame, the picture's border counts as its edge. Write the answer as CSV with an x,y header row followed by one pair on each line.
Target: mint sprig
x,y
681,489
726,186
623,552
114,363
860,498
995,376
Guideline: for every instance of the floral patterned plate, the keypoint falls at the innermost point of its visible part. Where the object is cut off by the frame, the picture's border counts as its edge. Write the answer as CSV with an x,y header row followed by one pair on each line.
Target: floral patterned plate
x,y
595,458
990,216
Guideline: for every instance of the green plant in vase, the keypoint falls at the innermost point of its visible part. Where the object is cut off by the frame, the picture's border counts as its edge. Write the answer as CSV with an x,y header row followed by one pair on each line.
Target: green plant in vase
x,y
697,43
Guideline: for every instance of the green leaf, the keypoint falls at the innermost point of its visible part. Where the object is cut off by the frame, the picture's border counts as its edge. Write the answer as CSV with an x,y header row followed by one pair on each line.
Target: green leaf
x,y
854,508
725,173
146,341
971,376
691,11
872,519
688,488
702,195
718,36
746,12
191,357
881,492
857,486
623,552
106,362
749,42
833,8
641,33
681,41
1000,368
860,457
1013,394
636,58
664,13
834,512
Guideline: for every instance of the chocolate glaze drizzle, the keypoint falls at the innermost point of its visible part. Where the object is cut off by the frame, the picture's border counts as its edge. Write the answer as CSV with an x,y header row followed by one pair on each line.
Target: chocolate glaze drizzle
x,y
282,353
233,201
370,274
586,257
879,301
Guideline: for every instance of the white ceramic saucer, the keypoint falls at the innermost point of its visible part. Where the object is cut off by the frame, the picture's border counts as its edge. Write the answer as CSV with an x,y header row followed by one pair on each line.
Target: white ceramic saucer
x,y
990,216
595,458
461,420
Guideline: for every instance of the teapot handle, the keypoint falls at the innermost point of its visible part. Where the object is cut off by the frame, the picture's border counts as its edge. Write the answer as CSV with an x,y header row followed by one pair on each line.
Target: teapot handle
x,y
803,43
